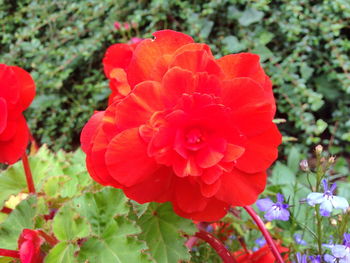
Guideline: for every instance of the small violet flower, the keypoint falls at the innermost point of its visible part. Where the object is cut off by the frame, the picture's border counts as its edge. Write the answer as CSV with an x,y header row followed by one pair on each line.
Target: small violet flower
x,y
301,258
315,259
340,253
260,242
274,211
327,200
298,239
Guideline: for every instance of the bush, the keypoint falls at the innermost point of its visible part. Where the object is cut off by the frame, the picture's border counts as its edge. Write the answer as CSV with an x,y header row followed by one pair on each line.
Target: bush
x,y
303,44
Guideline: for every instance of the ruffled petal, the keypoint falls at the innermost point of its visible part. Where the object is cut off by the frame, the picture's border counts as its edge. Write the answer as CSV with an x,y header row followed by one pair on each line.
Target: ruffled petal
x,y
141,103
117,56
240,189
27,87
89,131
260,151
127,160
157,188
9,89
3,114
12,150
213,211
251,111
151,57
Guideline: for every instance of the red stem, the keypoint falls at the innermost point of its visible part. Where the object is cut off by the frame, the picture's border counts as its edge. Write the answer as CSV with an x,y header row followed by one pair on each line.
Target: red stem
x,y
265,233
28,174
9,253
217,245
49,239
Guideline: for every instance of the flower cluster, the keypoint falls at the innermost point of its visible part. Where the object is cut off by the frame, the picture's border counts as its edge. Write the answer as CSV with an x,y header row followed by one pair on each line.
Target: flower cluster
x,y
183,126
17,90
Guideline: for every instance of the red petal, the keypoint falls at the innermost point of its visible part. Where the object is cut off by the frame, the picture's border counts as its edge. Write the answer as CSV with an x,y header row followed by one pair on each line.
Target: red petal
x,y
29,244
188,196
117,56
251,111
209,190
141,103
127,160
186,167
211,174
260,151
27,87
176,82
213,211
242,65
3,115
239,188
233,152
151,57
13,149
196,61
157,188
9,89
211,155
89,131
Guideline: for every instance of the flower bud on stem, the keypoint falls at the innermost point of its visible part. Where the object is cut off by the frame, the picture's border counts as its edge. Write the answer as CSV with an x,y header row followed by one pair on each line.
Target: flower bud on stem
x,y
265,233
28,173
9,253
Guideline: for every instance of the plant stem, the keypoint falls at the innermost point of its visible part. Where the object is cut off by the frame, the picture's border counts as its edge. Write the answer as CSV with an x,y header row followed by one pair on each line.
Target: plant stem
x,y
49,239
6,210
319,229
28,174
265,233
9,253
217,245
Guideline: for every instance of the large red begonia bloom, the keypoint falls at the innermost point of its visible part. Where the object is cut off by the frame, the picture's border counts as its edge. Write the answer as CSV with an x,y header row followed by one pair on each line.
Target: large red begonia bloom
x,y
187,128
29,244
17,90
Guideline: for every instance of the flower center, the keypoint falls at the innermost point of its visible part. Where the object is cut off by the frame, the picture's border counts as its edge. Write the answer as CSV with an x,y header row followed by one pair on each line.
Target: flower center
x,y
194,139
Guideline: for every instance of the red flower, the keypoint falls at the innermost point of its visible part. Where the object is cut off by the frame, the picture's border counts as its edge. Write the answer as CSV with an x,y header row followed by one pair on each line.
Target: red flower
x,y
17,90
191,129
263,255
29,244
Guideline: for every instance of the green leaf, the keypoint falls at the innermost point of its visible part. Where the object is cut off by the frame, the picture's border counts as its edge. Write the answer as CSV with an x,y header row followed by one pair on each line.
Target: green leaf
x,y
284,177
294,159
62,253
162,230
250,16
115,244
232,44
101,207
20,218
69,225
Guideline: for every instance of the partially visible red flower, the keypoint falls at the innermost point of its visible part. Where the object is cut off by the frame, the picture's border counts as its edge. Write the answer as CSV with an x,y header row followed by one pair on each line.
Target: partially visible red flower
x,y
29,244
184,127
263,255
115,63
17,90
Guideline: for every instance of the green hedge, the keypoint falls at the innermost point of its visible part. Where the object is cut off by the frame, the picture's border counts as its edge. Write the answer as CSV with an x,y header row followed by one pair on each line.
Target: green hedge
x,y
304,45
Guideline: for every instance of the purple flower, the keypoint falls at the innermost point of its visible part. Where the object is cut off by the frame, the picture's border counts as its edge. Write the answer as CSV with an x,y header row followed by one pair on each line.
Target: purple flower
x,y
340,253
260,243
327,200
301,258
274,211
315,259
298,239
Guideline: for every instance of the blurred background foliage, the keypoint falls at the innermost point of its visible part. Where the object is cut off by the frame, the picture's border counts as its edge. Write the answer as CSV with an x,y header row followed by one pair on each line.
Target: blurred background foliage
x,y
304,46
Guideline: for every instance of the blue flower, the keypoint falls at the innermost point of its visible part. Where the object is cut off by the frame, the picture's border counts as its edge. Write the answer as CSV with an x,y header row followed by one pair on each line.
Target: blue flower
x,y
260,243
340,253
327,200
274,211
298,239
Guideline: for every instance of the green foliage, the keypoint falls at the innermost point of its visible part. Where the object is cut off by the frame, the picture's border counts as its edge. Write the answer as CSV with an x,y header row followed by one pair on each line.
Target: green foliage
x,y
90,223
304,46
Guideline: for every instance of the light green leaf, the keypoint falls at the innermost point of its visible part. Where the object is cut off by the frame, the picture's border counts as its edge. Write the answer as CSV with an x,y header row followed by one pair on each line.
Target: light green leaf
x,y
69,225
115,244
294,160
161,229
20,218
101,207
250,16
62,253
232,44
